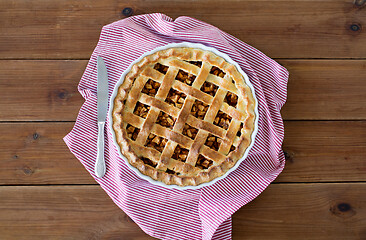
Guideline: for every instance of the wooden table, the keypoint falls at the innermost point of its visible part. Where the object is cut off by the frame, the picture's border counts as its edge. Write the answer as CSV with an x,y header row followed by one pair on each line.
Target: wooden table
x,y
45,192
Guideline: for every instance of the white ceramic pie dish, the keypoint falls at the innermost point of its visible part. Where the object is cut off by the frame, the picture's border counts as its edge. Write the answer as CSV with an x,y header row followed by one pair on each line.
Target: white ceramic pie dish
x,y
191,45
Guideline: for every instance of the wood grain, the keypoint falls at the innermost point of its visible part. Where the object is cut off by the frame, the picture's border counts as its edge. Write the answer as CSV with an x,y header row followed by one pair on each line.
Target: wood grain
x,y
317,89
34,153
40,90
63,212
282,29
283,211
37,93
318,151
323,89
304,211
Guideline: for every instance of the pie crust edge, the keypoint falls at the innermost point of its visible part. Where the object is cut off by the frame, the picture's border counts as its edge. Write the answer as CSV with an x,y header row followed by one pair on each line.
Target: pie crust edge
x,y
189,54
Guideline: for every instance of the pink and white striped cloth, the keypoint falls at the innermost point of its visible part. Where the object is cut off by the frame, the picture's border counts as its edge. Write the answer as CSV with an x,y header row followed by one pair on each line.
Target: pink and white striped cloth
x,y
169,213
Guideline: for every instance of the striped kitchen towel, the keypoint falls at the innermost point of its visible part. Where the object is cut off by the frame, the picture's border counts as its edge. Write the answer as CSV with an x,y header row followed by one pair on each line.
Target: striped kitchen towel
x,y
170,213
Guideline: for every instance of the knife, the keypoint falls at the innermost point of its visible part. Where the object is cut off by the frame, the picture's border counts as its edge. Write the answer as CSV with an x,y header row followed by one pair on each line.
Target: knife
x,y
102,105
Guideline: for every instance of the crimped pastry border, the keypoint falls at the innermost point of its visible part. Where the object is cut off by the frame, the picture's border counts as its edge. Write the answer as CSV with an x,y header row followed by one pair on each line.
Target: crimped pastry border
x,y
191,54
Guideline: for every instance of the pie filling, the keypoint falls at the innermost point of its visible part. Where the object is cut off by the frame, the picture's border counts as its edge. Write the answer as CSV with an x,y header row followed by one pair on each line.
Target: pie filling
x,y
151,88
156,142
198,110
175,98
161,68
165,120
231,99
160,123
180,153
222,120
141,109
203,163
209,88
185,77
217,71
148,162
132,132
213,142
190,131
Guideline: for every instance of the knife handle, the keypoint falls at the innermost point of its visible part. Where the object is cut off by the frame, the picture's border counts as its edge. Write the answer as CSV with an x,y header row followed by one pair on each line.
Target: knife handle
x,y
100,163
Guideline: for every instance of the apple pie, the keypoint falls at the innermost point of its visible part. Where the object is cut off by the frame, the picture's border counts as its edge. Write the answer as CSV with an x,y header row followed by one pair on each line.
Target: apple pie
x,y
183,116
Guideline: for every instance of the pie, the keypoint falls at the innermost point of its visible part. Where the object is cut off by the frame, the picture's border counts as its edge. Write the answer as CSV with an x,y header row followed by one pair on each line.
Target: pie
x,y
183,116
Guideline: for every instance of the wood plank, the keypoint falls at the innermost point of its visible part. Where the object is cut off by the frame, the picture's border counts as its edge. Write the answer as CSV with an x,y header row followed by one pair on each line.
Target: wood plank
x,y
283,211
281,29
324,151
40,90
34,153
317,89
325,89
304,211
63,212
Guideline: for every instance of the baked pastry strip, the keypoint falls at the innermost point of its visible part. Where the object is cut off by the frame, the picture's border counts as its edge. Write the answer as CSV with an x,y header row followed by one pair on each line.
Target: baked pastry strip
x,y
186,131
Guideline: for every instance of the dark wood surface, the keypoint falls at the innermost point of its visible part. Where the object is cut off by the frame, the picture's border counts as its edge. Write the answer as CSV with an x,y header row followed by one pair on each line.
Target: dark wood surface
x,y
62,29
283,211
45,193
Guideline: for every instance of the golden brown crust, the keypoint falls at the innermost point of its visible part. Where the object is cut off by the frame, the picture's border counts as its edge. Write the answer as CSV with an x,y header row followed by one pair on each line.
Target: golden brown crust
x,y
242,117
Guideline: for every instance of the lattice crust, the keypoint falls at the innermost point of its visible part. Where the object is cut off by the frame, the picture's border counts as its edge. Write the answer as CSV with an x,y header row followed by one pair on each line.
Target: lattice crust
x,y
183,116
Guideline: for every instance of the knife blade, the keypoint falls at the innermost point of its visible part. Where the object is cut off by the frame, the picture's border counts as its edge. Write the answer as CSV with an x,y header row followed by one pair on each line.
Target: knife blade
x,y
102,105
